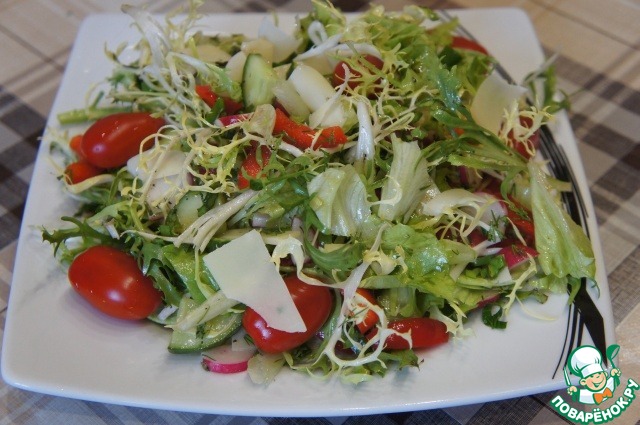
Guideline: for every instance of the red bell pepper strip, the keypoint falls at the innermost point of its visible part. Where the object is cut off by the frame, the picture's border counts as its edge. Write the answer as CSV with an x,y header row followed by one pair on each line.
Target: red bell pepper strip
x,y
252,166
370,318
210,98
302,136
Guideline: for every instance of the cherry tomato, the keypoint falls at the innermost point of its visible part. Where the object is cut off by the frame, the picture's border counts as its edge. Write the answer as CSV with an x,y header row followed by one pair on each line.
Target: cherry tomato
x,y
252,165
339,72
314,304
424,332
459,42
111,141
76,145
371,318
79,171
111,281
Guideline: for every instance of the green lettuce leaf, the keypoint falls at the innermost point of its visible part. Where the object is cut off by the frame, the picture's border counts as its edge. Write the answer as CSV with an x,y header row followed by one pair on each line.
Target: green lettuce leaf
x,y
564,248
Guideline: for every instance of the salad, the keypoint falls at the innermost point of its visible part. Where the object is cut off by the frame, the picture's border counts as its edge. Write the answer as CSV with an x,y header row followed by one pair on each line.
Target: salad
x,y
330,200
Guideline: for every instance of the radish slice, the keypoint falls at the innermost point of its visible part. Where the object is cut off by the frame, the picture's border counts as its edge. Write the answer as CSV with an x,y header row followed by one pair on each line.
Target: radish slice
x,y
469,177
223,359
228,120
239,342
517,254
488,300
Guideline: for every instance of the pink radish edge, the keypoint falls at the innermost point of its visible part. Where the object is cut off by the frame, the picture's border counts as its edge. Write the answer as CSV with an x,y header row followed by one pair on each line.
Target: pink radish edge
x,y
223,359
517,254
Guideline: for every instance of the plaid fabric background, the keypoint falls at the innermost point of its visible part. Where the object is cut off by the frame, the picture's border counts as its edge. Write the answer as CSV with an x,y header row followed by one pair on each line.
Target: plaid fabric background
x,y
599,46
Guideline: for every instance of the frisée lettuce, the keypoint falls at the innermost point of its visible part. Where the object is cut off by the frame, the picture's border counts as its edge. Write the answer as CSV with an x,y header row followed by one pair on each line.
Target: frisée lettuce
x,y
370,165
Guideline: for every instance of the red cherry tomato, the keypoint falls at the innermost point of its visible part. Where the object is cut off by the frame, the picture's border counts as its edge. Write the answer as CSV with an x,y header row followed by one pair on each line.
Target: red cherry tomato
x,y
111,281
424,332
339,72
252,165
76,145
79,171
459,42
111,141
314,304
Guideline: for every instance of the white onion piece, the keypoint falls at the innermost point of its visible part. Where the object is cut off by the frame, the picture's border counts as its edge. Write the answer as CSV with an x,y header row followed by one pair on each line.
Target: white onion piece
x,y
365,148
167,311
288,97
504,277
348,50
261,46
494,211
240,342
172,164
311,85
317,33
111,228
235,66
212,53
283,44
259,220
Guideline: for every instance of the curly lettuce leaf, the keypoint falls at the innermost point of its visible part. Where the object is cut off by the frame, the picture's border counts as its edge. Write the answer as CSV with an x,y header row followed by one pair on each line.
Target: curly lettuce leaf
x,y
564,248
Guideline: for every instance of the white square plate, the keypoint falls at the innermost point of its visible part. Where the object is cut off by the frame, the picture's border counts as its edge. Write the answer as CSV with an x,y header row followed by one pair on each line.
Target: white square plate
x,y
55,343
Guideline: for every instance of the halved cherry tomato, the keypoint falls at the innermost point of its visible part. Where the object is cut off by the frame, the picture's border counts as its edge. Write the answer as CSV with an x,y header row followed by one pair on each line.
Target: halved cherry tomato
x,y
210,98
80,171
252,165
339,71
302,136
425,332
111,141
314,304
371,318
111,281
460,42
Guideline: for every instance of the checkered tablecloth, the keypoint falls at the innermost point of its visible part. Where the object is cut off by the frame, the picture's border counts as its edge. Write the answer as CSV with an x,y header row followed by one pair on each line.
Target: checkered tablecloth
x,y
599,62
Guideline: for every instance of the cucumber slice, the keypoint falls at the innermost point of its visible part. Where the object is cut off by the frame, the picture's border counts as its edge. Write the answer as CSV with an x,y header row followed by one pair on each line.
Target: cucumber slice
x,y
208,335
258,79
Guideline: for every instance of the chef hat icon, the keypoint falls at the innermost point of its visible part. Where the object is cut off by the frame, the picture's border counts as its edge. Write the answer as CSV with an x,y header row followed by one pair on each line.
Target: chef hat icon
x,y
585,361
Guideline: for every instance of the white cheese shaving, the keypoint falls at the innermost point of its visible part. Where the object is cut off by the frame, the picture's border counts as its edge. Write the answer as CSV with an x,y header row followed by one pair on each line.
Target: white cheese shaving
x,y
244,271
495,95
